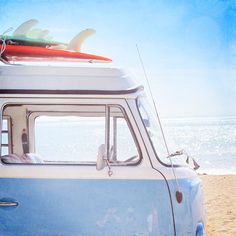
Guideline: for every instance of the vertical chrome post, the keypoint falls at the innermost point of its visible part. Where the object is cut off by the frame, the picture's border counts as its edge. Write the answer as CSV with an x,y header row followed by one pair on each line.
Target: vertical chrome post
x,y
107,131
114,158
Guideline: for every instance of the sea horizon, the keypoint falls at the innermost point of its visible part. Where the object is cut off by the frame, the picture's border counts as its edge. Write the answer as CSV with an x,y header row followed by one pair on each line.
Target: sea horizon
x,y
210,140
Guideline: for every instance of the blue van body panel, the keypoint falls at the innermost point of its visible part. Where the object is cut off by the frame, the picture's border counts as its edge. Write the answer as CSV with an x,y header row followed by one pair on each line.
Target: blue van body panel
x,y
66,207
188,211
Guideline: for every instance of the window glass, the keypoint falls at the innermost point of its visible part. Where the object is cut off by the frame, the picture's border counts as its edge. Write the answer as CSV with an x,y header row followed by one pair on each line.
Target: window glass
x,y
5,124
69,138
122,142
5,138
4,150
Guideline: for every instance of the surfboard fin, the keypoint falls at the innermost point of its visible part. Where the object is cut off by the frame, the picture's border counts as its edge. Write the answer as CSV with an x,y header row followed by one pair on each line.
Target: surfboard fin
x,y
38,34
24,28
76,43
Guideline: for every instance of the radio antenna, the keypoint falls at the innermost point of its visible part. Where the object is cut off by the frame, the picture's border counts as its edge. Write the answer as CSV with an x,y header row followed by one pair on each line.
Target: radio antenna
x,y
178,193
153,101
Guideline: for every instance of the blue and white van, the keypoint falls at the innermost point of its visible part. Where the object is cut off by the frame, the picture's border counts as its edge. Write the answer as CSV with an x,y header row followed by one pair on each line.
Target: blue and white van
x,y
82,155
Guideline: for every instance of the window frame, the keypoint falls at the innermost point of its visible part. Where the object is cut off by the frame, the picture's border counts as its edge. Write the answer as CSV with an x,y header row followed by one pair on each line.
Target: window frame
x,y
31,133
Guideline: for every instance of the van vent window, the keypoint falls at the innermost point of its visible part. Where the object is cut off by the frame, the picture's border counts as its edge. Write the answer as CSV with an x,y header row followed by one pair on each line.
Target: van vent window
x,y
123,149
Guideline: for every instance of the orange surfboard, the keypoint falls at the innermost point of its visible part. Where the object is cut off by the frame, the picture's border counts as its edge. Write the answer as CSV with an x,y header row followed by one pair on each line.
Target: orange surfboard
x,y
20,53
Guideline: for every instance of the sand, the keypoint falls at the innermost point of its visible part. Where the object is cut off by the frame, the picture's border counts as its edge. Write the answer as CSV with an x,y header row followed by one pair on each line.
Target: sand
x,y
220,203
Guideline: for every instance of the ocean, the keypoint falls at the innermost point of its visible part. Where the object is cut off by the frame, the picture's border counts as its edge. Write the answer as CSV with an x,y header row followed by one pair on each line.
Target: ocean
x,y
210,140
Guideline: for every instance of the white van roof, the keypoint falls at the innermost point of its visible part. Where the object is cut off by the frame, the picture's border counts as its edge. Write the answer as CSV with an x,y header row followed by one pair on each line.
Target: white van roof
x,y
55,79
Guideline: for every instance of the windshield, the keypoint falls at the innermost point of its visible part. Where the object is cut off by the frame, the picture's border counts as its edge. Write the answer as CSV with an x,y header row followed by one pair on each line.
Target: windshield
x,y
153,129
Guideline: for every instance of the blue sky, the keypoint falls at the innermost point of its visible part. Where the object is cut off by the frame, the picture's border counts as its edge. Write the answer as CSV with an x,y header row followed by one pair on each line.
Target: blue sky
x,y
188,47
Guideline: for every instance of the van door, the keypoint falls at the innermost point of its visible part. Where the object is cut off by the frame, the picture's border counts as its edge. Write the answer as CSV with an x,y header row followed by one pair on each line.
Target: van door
x,y
59,189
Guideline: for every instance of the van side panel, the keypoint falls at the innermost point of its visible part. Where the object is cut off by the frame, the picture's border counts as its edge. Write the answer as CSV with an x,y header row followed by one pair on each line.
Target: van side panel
x,y
85,207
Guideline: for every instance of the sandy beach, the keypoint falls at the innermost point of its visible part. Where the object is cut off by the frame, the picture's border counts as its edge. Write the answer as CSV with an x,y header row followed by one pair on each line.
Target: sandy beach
x,y
220,202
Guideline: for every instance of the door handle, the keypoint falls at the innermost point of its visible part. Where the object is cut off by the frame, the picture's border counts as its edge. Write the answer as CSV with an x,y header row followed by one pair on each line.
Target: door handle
x,y
8,204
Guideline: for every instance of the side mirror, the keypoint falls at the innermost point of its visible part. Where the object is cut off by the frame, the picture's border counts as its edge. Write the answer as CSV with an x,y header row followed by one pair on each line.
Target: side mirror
x,y
101,162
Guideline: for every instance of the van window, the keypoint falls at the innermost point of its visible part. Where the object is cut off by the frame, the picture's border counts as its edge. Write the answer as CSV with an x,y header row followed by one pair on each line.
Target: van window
x,y
6,139
71,134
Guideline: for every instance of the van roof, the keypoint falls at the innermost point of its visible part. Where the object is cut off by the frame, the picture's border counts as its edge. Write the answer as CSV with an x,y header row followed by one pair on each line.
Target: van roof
x,y
64,80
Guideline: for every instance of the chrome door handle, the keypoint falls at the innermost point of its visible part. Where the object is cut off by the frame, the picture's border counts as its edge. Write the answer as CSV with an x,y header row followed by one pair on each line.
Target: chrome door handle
x,y
9,204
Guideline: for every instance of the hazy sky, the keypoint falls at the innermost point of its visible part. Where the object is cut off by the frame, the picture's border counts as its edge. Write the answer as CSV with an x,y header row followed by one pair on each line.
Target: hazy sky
x,y
188,47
